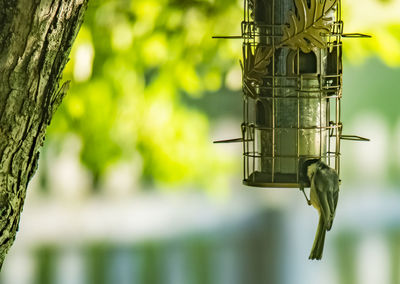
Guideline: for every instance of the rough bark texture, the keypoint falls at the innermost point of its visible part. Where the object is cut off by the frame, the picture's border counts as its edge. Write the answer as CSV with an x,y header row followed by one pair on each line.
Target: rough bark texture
x,y
35,41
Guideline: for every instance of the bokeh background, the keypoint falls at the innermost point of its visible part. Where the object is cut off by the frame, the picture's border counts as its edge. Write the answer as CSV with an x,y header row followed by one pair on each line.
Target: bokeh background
x,y
130,188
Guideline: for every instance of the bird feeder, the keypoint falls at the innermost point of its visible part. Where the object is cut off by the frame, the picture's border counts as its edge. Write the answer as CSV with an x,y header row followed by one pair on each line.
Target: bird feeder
x,y
292,89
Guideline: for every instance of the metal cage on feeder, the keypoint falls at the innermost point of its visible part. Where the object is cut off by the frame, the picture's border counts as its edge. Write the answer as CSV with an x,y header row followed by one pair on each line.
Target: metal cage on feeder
x,y
292,89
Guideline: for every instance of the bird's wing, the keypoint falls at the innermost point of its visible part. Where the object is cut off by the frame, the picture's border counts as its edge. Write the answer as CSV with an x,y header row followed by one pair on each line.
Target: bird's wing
x,y
324,194
333,199
333,190
328,189
336,192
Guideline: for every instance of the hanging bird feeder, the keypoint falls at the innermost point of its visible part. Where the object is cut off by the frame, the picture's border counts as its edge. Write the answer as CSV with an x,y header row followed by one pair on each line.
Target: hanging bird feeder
x,y
292,89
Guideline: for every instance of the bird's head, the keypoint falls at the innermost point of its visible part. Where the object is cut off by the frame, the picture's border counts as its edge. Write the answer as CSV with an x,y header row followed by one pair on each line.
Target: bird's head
x,y
304,169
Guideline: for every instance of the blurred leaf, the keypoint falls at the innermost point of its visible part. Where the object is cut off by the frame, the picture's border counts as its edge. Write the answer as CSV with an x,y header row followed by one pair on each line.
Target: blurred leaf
x,y
379,19
131,67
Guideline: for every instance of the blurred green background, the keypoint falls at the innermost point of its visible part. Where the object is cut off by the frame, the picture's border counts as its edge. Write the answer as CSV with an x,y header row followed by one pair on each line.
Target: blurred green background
x,y
130,188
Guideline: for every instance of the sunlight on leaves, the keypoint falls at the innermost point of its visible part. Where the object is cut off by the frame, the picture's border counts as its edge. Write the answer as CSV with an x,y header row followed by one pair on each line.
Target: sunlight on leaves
x,y
381,21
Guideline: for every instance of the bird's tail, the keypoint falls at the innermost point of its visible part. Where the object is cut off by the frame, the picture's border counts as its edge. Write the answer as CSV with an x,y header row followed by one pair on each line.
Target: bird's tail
x,y
318,246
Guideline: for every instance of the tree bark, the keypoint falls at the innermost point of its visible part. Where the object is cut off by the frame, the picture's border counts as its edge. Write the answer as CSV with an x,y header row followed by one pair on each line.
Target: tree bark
x,y
35,41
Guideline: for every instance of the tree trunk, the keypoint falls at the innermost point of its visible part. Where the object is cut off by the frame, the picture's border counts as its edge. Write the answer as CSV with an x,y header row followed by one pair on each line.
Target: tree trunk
x,y
35,41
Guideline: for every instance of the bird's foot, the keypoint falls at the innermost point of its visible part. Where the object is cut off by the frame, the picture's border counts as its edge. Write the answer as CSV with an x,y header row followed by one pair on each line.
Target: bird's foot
x,y
308,200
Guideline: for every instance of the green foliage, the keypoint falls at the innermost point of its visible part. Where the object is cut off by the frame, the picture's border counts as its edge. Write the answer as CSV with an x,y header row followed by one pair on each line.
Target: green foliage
x,y
381,20
131,67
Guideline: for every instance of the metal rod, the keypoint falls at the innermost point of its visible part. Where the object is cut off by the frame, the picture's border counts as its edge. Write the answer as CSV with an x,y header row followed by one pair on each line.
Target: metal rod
x,y
298,113
354,138
273,92
320,104
228,37
293,127
277,156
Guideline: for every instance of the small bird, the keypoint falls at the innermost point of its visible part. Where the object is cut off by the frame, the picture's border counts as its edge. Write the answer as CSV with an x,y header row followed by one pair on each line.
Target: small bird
x,y
324,195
